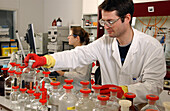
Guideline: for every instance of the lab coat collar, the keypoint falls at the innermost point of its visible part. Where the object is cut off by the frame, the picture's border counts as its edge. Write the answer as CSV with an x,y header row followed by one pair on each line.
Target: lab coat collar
x,y
132,50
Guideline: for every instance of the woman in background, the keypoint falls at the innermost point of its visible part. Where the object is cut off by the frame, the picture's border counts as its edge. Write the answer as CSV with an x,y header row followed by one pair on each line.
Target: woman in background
x,y
78,37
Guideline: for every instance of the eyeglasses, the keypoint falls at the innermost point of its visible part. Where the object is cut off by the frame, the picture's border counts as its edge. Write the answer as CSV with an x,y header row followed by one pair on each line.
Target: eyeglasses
x,y
108,23
73,35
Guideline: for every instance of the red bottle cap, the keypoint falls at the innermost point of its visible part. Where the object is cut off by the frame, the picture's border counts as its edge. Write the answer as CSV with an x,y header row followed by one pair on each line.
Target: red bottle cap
x,y
67,86
152,97
15,87
130,95
30,91
103,97
43,100
23,89
35,87
85,90
68,80
12,63
22,66
113,89
17,64
96,86
46,72
37,94
4,68
18,72
38,71
84,82
11,71
55,83
151,110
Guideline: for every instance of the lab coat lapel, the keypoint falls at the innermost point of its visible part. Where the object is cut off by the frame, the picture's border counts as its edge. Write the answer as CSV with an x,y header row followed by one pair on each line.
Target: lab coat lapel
x,y
131,53
116,54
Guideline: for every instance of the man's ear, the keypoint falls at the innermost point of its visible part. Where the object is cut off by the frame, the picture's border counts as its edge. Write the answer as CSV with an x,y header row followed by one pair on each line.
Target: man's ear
x,y
78,38
127,18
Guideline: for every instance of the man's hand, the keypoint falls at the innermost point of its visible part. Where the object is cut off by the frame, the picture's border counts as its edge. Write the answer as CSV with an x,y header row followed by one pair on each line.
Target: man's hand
x,y
39,61
105,90
61,73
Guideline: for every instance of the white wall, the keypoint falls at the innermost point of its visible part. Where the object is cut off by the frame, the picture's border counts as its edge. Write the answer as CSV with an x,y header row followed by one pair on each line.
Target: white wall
x,y
70,12
27,11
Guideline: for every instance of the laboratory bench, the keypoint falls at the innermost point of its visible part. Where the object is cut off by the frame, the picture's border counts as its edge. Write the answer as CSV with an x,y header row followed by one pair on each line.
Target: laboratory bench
x,y
5,104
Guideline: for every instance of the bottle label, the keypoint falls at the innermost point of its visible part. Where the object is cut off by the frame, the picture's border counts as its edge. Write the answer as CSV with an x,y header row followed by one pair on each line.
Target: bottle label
x,y
71,108
59,24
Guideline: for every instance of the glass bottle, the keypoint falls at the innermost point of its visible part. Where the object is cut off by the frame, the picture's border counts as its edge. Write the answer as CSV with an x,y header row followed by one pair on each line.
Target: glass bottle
x,y
95,94
12,66
130,96
54,23
124,105
35,103
151,102
67,81
23,97
113,103
18,76
85,104
9,82
102,103
5,72
2,80
84,83
167,106
39,75
47,81
31,98
54,98
14,96
68,100
59,22
17,69
43,101
29,74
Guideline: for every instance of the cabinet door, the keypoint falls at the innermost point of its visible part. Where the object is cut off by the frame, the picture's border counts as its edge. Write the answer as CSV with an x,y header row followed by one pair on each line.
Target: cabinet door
x,y
90,6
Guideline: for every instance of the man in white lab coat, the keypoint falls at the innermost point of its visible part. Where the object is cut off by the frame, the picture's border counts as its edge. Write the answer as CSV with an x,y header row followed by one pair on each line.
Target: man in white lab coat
x,y
124,54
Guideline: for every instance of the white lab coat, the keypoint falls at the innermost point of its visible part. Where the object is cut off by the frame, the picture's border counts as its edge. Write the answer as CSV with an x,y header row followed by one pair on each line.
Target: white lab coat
x,y
145,61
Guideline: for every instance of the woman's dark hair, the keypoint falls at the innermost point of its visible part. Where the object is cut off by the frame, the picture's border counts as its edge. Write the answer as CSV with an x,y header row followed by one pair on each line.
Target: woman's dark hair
x,y
122,7
84,36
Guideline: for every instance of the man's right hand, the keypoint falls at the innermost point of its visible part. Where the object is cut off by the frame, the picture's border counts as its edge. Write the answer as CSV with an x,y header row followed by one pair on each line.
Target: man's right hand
x,y
39,61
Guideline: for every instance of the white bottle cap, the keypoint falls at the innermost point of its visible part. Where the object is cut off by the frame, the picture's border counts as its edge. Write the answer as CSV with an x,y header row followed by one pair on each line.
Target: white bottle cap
x,y
125,104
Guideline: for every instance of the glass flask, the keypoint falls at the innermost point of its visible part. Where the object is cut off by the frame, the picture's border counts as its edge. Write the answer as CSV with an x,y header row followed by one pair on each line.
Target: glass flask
x,y
31,98
14,96
17,69
9,82
2,80
54,98
29,74
102,103
113,103
151,102
124,105
47,81
85,104
167,106
35,103
130,96
18,76
84,83
68,100
95,94
43,101
23,97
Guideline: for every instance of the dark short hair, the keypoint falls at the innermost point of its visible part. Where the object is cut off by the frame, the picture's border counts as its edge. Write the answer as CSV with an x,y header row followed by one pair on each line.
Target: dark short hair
x,y
122,7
